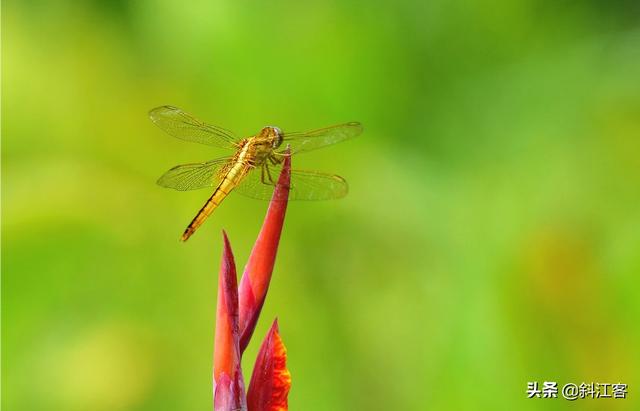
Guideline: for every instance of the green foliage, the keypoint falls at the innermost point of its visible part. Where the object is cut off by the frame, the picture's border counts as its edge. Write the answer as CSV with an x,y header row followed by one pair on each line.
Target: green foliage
x,y
490,237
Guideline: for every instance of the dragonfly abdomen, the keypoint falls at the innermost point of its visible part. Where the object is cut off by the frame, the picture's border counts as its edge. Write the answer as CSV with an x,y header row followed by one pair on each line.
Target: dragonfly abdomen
x,y
230,180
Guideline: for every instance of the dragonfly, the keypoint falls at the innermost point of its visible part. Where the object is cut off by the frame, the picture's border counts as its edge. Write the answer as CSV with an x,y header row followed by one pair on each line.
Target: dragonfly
x,y
255,164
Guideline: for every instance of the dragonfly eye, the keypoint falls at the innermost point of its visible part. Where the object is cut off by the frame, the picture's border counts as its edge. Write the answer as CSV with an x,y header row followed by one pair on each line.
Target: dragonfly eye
x,y
278,140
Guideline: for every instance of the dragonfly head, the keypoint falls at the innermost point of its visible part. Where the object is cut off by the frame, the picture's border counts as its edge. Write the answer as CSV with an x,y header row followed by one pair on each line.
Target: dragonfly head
x,y
275,135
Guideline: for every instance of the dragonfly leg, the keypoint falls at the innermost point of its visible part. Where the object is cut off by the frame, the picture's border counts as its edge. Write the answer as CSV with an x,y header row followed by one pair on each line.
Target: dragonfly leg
x,y
279,157
262,175
268,174
275,160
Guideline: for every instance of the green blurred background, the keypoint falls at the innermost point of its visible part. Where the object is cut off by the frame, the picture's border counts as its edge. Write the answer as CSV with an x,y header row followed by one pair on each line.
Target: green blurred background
x,y
491,236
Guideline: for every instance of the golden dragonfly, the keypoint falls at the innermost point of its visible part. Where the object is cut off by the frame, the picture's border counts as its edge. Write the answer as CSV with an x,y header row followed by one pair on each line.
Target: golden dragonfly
x,y
255,165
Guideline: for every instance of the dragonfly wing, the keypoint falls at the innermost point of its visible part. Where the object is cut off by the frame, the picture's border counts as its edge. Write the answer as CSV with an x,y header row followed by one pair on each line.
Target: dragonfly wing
x,y
193,176
179,124
311,140
305,185
313,185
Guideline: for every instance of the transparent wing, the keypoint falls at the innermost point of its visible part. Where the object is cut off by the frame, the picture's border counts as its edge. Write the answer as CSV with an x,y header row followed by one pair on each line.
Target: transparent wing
x,y
311,140
193,176
179,124
305,185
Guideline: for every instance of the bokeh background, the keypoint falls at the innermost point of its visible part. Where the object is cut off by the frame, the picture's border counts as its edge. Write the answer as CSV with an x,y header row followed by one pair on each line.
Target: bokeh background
x,y
491,236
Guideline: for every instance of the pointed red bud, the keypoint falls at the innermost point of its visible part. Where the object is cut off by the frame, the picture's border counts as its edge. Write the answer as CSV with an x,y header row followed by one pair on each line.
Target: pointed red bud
x,y
270,381
257,273
227,374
